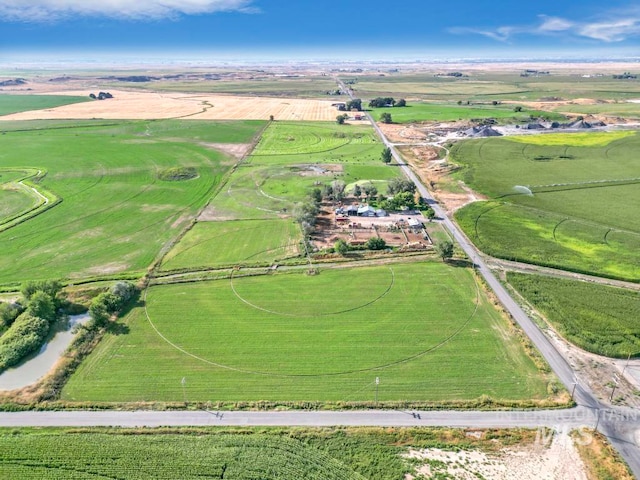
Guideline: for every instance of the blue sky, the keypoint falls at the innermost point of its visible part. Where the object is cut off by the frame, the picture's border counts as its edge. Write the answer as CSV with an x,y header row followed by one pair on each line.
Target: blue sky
x,y
305,28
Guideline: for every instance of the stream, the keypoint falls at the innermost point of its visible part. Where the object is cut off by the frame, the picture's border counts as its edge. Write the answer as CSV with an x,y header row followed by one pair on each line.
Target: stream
x,y
37,365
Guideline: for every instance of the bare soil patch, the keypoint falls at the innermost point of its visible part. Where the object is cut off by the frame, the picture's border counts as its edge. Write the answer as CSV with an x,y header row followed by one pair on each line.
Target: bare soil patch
x,y
211,214
435,173
235,150
403,133
106,269
560,459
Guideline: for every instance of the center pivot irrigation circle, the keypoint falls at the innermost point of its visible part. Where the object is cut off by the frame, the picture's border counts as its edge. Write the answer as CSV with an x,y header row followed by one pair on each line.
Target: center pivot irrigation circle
x,y
427,349
323,314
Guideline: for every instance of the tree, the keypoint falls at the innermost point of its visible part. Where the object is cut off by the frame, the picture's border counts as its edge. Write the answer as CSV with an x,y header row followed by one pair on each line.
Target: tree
x,y
444,250
400,184
271,118
98,313
316,195
386,155
305,215
385,117
341,247
338,187
401,103
517,108
357,191
340,119
400,201
41,305
376,243
380,102
430,213
50,287
327,192
355,104
8,313
370,190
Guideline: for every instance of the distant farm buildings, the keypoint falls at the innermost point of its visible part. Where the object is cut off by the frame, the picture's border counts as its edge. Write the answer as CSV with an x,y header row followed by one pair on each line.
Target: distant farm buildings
x,y
100,96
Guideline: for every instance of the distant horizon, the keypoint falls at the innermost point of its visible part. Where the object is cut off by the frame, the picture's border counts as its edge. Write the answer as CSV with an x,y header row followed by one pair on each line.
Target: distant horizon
x,y
219,58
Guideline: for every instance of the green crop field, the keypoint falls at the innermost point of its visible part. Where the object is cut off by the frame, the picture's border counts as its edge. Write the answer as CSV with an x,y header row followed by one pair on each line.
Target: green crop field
x,y
600,319
290,160
489,86
233,453
620,109
425,329
116,210
213,244
557,200
22,103
419,112
309,87
15,198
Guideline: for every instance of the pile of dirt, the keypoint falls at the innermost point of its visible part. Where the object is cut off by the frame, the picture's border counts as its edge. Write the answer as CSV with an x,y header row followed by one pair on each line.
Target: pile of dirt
x,y
482,131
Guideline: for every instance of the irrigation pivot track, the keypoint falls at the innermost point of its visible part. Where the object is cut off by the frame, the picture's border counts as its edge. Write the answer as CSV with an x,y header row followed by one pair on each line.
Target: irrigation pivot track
x,y
625,442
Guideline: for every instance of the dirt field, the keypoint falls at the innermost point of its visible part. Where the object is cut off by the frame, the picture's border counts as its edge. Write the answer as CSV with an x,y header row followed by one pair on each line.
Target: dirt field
x,y
354,230
560,459
147,106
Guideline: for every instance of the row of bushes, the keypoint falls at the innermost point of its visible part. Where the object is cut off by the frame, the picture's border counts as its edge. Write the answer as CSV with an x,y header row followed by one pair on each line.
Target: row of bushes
x,y
109,303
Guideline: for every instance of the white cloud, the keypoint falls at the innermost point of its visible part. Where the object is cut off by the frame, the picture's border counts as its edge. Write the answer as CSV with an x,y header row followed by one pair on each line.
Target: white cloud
x,y
613,26
47,10
501,34
613,31
554,24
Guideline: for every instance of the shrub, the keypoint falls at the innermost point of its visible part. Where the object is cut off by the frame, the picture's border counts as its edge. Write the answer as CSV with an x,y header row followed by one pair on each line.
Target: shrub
x,y
375,243
23,337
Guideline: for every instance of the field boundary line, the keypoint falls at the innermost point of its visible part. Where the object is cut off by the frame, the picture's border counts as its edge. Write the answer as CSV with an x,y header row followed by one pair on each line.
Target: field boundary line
x,y
383,294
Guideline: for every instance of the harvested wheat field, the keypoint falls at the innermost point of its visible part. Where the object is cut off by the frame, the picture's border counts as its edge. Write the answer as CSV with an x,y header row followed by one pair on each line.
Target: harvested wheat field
x,y
148,105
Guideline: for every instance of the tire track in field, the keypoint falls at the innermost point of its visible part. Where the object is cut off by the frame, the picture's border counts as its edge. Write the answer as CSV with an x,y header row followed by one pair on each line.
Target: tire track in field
x,y
379,297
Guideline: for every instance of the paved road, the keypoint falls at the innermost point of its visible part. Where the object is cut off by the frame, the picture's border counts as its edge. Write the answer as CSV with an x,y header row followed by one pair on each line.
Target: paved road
x,y
574,418
622,435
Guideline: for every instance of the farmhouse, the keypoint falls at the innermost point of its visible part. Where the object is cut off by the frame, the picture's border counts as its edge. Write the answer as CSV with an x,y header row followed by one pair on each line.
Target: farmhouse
x,y
366,211
352,210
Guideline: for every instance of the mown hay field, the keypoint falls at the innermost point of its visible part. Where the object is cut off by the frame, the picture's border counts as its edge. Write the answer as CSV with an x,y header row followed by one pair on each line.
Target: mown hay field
x,y
143,105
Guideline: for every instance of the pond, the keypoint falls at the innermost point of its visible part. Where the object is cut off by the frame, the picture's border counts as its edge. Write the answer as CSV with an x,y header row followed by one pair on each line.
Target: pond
x,y
38,365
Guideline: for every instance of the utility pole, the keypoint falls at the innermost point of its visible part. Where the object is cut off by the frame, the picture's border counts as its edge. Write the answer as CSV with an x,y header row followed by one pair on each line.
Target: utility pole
x,y
626,364
377,383
184,390
615,385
